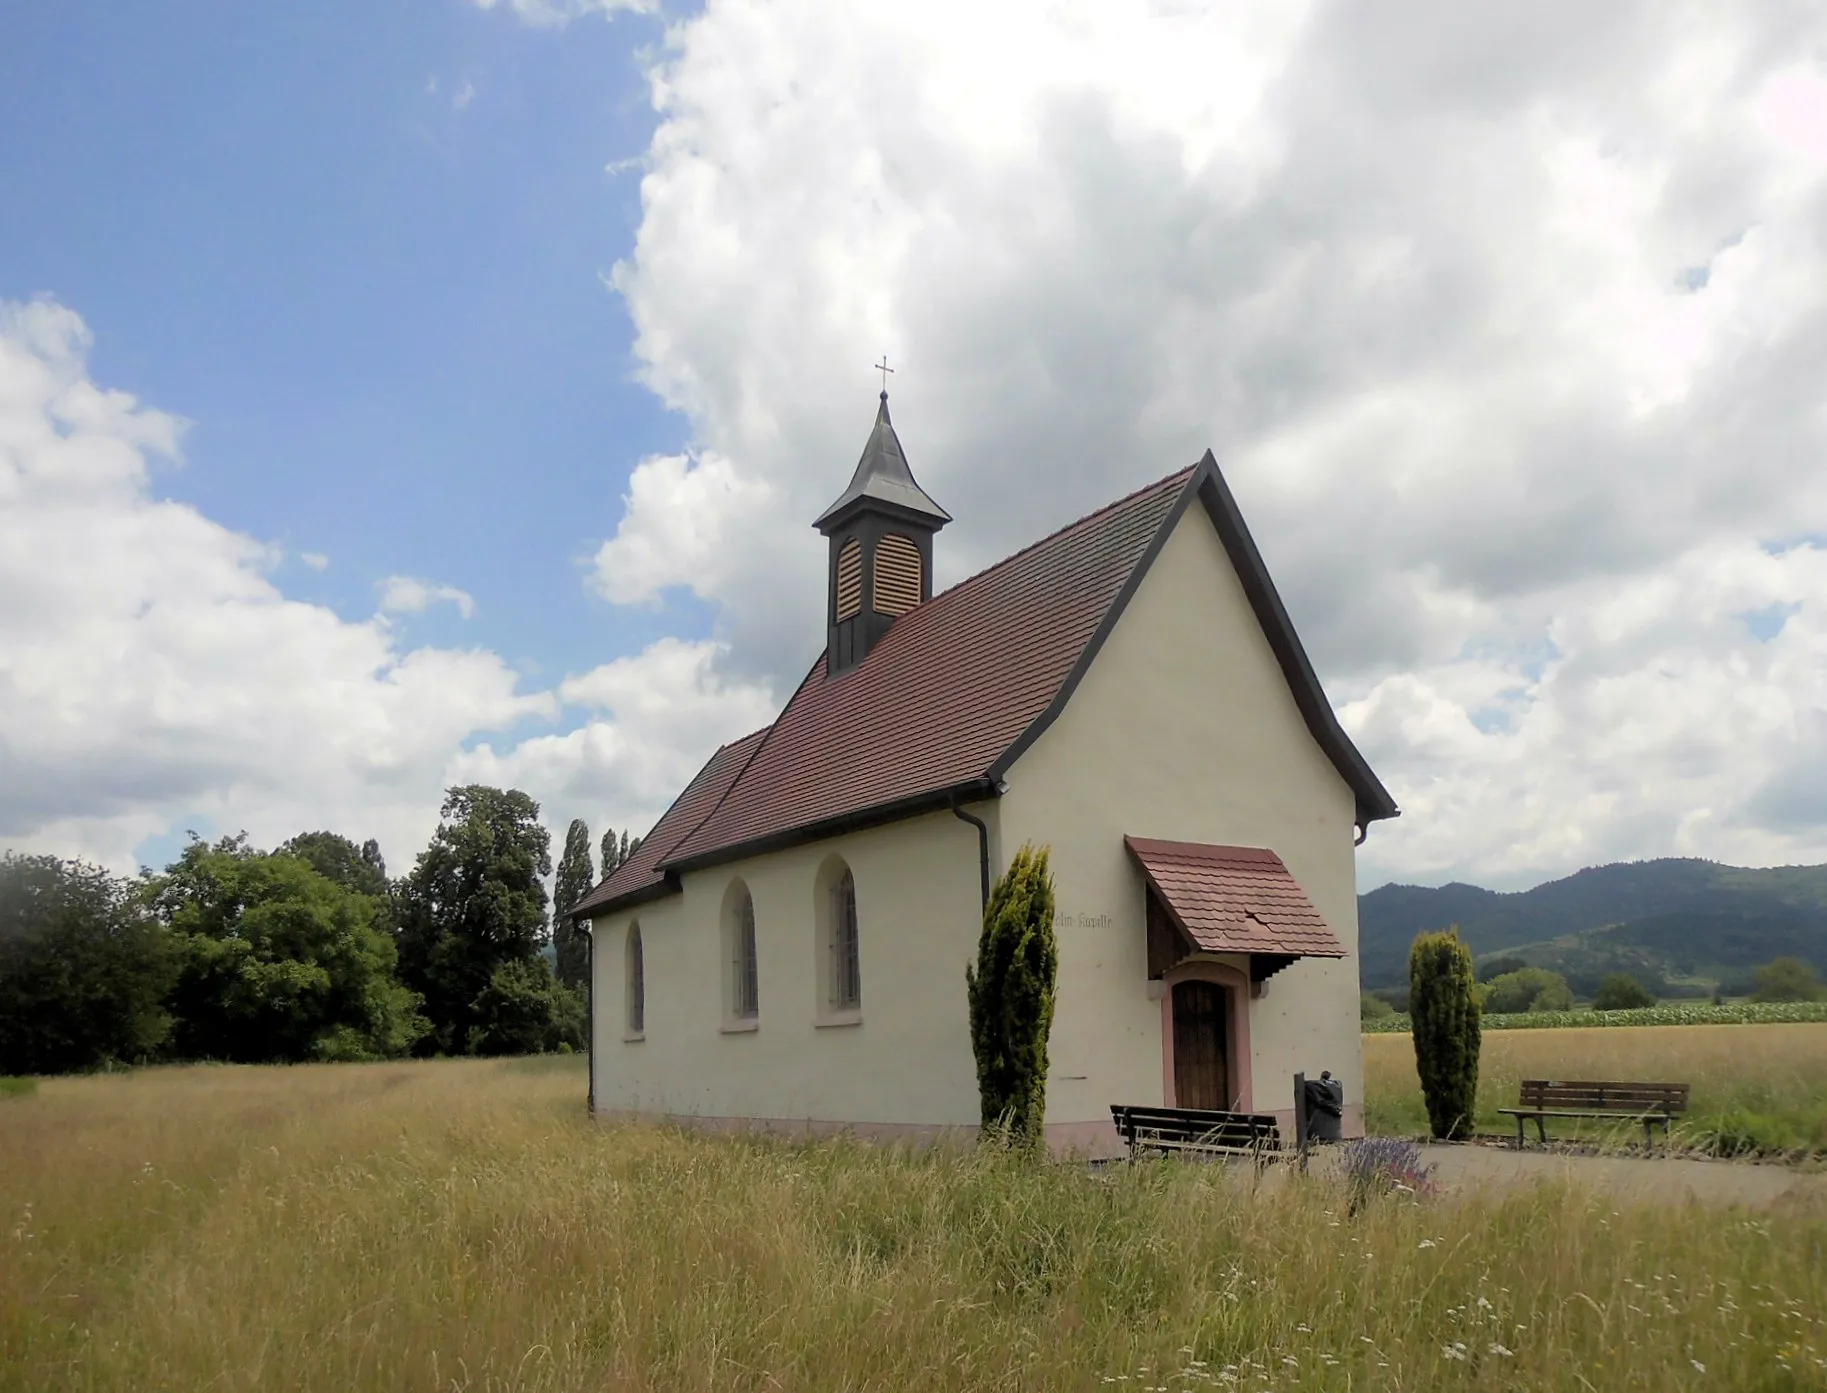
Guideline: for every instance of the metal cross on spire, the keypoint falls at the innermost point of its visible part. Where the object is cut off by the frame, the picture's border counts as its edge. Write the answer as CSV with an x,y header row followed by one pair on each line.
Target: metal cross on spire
x,y
883,368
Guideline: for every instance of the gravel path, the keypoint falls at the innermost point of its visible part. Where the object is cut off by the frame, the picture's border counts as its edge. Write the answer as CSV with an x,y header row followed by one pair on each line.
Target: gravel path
x,y
1672,1180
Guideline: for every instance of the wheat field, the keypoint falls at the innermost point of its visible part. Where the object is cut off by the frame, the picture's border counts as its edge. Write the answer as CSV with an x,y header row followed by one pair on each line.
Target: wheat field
x,y
458,1226
1765,1085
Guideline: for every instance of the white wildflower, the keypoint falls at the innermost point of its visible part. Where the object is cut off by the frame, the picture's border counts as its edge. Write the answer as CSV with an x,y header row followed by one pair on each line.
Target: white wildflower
x,y
1698,1365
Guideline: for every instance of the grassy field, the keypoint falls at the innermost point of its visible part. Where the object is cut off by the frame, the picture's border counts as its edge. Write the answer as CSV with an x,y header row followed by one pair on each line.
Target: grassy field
x,y
457,1226
1667,1013
1754,1086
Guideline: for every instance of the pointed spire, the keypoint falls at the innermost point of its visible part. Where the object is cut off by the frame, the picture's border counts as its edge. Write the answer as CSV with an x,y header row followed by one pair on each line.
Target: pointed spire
x,y
882,476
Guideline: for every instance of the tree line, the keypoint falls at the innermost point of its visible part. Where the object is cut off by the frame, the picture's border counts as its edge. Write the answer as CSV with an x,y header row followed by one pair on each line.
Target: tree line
x,y
305,952
1509,985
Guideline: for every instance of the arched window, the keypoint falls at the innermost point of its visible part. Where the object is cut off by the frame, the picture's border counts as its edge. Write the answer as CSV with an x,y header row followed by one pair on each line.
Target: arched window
x,y
897,575
741,987
635,980
846,975
838,961
849,579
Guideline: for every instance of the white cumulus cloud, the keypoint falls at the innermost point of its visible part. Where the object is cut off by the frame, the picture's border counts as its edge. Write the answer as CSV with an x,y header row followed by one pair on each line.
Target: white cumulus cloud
x,y
153,676
407,595
1505,322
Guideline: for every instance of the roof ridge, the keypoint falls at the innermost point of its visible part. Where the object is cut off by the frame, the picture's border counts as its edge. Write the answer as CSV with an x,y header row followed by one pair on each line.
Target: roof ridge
x,y
1058,532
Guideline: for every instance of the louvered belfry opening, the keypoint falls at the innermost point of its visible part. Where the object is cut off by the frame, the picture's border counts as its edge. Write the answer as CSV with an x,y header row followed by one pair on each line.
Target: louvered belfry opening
x,y
897,575
849,579
881,532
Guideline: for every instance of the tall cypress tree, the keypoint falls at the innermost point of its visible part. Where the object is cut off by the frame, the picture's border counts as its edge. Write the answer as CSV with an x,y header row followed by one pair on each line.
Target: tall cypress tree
x,y
1011,991
1443,1003
617,848
575,877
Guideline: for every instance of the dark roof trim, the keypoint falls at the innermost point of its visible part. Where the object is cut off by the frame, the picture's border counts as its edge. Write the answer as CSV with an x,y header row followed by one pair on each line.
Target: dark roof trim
x,y
1206,483
932,801
868,503
657,890
1374,801
668,884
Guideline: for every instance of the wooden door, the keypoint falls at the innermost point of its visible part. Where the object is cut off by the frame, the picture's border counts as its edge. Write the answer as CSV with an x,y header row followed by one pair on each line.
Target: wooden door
x,y
1201,1075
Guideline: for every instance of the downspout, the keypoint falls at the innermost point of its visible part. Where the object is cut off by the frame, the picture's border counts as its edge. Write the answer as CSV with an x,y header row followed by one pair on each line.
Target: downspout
x,y
1363,832
983,849
589,927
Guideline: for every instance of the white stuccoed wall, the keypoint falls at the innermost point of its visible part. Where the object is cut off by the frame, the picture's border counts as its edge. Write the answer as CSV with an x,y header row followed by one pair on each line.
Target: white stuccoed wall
x,y
1184,729
908,1063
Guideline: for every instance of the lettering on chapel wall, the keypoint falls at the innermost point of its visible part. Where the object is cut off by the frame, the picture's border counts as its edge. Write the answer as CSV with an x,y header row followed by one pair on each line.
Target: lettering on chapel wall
x,y
1069,919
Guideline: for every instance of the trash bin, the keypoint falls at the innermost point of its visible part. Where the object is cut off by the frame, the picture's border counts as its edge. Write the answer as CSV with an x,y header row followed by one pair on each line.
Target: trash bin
x,y
1324,1101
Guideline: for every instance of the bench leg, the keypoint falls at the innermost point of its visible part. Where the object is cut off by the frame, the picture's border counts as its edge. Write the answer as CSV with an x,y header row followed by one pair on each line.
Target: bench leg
x,y
1519,1132
1541,1128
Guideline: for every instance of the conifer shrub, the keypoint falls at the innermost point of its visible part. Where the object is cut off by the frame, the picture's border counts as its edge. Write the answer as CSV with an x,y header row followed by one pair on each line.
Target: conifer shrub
x,y
1443,1005
1011,990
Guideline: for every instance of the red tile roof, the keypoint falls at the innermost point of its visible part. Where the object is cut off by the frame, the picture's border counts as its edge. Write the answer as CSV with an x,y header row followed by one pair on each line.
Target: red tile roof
x,y
957,689
639,876
946,692
1234,899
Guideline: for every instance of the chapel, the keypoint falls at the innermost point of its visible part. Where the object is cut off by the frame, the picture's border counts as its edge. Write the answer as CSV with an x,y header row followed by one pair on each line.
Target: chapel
x,y
787,948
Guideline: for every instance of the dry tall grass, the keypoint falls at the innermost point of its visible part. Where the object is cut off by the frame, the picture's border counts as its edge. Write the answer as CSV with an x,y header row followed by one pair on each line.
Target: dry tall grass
x,y
1766,1082
456,1226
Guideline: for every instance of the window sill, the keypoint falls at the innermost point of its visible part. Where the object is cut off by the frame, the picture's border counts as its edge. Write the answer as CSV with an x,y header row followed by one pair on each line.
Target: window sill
x,y
633,1037
742,1027
832,1019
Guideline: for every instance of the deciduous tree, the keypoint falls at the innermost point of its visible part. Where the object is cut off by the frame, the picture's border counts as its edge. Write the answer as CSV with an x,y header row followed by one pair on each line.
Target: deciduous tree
x,y
1787,979
83,968
1622,992
279,962
1527,989
360,869
526,1010
475,899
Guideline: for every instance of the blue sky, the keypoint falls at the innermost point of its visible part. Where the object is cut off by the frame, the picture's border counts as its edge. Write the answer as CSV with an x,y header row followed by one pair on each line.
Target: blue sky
x,y
1506,335
359,247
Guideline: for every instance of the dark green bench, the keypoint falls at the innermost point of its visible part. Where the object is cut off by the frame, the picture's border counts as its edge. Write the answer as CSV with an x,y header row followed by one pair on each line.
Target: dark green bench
x,y
1197,1131
1651,1104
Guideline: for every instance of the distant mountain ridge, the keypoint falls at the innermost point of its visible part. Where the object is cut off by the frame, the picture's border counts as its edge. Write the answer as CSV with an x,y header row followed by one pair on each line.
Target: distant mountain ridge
x,y
1678,920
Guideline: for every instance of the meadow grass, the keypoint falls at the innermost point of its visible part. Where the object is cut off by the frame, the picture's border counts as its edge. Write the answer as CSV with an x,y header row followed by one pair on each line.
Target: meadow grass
x,y
16,1088
1755,1087
1664,1013
459,1226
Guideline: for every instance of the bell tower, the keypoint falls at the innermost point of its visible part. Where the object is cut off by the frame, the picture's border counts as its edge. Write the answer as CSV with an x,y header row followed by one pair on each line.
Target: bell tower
x,y
881,532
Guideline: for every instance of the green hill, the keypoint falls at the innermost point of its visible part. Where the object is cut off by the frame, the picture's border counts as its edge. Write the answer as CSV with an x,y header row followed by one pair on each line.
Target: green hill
x,y
1671,922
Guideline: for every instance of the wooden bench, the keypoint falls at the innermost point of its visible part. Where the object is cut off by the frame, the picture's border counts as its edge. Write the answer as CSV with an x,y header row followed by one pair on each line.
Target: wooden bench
x,y
1197,1131
1648,1103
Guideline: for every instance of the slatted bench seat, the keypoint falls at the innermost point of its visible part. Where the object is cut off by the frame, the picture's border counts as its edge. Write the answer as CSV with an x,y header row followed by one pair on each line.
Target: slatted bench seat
x,y
1652,1104
1197,1131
